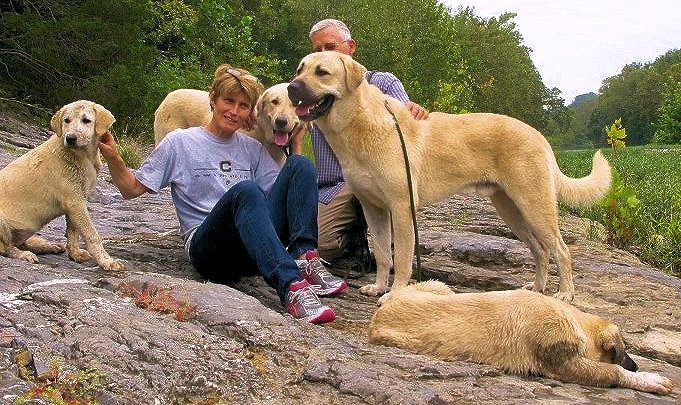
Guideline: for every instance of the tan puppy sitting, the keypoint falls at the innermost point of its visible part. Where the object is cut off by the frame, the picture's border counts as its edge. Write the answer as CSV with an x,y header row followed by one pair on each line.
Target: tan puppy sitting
x,y
54,179
519,331
496,155
275,115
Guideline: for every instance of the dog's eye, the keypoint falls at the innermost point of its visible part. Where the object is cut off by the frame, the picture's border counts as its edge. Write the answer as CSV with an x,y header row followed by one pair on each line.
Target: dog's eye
x,y
275,101
86,120
321,72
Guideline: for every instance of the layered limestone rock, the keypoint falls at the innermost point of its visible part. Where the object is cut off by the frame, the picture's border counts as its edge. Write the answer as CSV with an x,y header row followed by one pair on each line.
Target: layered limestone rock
x,y
159,334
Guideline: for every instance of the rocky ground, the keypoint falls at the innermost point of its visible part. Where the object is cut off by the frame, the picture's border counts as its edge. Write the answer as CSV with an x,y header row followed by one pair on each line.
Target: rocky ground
x,y
159,334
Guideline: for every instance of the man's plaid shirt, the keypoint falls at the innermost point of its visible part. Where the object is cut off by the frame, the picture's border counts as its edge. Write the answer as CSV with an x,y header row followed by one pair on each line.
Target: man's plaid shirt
x,y
329,174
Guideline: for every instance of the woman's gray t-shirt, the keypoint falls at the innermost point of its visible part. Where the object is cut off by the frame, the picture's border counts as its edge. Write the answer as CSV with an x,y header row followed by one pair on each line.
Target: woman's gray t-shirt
x,y
200,167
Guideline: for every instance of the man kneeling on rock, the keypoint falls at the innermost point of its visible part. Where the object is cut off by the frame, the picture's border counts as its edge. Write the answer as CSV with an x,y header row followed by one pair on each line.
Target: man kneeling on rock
x,y
239,213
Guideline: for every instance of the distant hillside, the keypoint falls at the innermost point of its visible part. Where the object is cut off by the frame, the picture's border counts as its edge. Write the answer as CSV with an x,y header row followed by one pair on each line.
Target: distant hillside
x,y
582,98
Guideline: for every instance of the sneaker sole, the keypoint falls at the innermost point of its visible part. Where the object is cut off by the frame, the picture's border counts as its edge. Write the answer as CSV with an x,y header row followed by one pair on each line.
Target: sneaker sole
x,y
326,316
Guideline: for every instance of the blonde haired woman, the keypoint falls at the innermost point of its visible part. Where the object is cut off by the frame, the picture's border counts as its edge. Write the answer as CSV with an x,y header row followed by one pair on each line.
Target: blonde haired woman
x,y
239,213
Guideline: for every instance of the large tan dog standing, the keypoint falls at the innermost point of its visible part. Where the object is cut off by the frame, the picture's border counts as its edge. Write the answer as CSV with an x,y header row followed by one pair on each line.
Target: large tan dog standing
x,y
54,179
519,331
494,154
276,119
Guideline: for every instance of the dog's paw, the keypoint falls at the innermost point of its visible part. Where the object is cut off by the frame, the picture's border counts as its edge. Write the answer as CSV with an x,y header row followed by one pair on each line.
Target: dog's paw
x,y
28,256
55,248
533,287
383,299
113,265
80,255
656,383
565,296
372,290
528,286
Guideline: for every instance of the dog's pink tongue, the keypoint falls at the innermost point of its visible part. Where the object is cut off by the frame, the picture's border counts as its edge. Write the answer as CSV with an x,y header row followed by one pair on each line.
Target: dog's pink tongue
x,y
280,138
303,110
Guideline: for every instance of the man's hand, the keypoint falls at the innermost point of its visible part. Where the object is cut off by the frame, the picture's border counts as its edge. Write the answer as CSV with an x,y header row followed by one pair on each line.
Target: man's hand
x,y
417,111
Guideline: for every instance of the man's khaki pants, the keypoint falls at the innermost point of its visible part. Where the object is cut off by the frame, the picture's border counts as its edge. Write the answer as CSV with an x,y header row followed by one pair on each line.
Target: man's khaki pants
x,y
336,221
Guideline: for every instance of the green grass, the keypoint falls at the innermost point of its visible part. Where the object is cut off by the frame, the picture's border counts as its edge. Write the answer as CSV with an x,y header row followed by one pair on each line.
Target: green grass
x,y
131,152
307,146
655,175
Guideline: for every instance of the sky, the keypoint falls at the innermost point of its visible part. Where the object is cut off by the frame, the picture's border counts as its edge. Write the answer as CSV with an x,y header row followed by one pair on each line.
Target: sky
x,y
576,44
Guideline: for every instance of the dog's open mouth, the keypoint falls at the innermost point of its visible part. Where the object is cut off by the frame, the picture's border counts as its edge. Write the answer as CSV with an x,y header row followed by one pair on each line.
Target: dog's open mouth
x,y
281,138
309,112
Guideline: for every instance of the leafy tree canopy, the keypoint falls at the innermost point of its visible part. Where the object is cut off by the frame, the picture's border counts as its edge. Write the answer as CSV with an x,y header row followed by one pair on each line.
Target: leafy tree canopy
x,y
127,54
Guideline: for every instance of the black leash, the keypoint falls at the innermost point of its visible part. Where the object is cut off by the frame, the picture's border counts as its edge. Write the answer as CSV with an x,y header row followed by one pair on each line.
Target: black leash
x,y
411,193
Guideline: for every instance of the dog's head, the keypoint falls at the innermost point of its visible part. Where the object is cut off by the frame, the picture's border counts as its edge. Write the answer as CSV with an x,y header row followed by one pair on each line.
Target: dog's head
x,y
611,344
276,115
321,79
81,123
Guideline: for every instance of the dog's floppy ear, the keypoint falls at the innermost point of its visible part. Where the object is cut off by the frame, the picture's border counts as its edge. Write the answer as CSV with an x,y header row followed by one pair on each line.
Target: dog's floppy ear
x,y
258,104
612,343
55,122
354,72
103,119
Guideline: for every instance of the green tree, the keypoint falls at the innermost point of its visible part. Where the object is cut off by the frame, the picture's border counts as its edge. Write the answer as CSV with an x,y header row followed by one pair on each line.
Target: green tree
x,y
124,54
504,78
668,125
635,95
577,131
448,60
128,54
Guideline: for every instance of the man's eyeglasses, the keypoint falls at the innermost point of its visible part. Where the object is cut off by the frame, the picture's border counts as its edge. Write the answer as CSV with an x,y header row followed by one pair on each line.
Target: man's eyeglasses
x,y
329,46
239,75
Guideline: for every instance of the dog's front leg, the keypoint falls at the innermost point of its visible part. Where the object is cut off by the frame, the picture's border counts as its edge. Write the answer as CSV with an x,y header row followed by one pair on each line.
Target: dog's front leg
x,y
403,229
582,370
73,243
78,222
378,221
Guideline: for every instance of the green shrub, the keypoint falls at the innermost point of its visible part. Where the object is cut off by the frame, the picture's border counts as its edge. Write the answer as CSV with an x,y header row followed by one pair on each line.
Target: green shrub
x,y
619,212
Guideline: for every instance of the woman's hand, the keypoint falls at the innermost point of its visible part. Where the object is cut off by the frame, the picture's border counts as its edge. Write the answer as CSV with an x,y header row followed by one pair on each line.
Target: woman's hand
x,y
107,146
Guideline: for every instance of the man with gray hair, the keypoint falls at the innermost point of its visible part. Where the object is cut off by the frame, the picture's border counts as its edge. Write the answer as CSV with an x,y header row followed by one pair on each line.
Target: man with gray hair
x,y
340,214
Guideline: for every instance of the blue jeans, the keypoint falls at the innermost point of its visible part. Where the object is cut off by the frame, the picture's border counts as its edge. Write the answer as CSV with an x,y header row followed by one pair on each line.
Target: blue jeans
x,y
250,233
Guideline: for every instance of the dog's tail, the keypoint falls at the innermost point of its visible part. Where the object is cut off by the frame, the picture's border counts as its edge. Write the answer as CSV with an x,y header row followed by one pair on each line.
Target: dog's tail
x,y
586,190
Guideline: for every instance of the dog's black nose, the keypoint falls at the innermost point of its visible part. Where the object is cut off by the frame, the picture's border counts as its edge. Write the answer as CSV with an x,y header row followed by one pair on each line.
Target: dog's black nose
x,y
280,122
70,139
294,90
628,363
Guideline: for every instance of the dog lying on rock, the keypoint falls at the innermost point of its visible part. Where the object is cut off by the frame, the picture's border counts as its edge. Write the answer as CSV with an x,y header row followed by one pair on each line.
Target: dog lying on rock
x,y
519,331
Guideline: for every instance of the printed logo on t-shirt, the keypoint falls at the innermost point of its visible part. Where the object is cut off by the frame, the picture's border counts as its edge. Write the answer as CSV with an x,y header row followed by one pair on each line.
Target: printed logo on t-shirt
x,y
226,166
225,171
